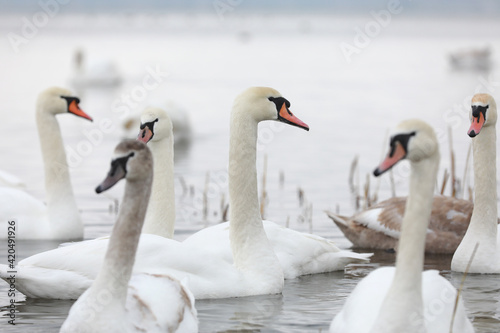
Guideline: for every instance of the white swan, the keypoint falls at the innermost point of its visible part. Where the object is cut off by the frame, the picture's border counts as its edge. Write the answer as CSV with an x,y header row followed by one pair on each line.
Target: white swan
x,y
59,219
156,131
298,253
255,270
483,228
403,298
103,73
115,302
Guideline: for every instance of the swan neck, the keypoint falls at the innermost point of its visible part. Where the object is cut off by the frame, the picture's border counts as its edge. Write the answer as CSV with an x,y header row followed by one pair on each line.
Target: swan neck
x,y
407,282
484,215
243,190
411,248
160,216
249,244
62,209
482,229
120,255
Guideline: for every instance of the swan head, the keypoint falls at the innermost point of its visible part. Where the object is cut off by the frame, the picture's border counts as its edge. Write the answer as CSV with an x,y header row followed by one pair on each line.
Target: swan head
x,y
263,103
155,125
132,160
414,140
483,113
57,100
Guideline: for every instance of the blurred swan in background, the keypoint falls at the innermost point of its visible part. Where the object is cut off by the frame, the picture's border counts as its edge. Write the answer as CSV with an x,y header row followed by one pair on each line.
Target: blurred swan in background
x,y
478,59
102,73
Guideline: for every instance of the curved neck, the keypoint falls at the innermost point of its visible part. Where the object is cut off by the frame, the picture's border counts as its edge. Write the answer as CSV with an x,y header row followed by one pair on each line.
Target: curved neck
x,y
484,216
407,283
160,216
249,243
120,256
61,205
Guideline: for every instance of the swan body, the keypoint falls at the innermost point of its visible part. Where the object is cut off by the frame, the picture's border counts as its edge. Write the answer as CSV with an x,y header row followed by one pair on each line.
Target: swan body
x,y
379,227
117,301
298,253
403,298
59,219
254,269
483,228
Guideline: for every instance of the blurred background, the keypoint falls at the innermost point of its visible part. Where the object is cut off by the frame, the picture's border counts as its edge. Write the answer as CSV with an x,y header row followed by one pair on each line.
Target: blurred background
x,y
351,70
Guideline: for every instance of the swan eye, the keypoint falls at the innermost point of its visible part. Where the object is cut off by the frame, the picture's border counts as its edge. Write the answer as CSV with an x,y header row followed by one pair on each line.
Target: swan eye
x,y
278,101
70,99
478,109
403,139
120,162
150,124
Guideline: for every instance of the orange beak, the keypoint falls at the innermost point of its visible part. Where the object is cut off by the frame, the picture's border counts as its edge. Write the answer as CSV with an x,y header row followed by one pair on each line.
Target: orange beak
x,y
145,135
392,158
286,116
477,125
75,109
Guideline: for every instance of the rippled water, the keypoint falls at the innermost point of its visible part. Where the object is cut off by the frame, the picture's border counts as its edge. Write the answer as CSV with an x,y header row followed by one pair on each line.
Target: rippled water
x,y
403,73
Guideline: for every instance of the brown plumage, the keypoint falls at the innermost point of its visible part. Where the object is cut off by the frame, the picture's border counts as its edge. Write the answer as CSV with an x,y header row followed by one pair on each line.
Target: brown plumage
x,y
378,227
